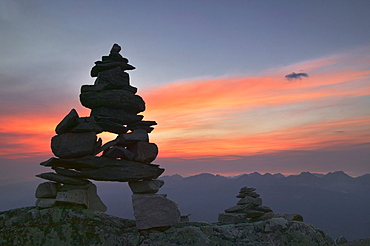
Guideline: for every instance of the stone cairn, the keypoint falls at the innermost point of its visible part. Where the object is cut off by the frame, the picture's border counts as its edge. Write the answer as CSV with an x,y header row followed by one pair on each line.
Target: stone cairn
x,y
114,108
248,209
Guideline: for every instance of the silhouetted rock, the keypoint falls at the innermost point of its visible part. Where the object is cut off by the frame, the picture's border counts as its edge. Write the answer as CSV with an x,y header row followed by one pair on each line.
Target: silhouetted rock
x,y
118,99
144,152
68,122
116,115
87,124
74,145
131,171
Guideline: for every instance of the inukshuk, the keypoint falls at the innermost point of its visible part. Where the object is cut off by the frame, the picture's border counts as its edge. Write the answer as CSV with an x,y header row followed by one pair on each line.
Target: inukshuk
x,y
248,209
114,108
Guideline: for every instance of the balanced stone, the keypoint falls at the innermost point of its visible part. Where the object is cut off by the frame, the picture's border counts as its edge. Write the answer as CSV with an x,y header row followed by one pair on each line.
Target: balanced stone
x,y
87,197
115,115
67,172
146,186
74,145
87,124
120,99
110,126
144,152
68,122
62,179
154,210
134,171
101,66
47,190
114,77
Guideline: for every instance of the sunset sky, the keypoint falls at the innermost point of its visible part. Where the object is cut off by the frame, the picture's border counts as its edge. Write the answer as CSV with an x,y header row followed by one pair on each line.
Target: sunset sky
x,y
212,74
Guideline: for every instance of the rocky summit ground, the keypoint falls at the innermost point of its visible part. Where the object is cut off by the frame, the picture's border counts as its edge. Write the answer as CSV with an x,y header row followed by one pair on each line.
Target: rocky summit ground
x,y
78,226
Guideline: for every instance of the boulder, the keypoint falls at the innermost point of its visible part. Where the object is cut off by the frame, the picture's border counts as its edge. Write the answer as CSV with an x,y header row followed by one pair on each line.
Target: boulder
x,y
74,145
68,122
146,186
62,179
116,115
47,190
119,99
144,152
87,197
153,210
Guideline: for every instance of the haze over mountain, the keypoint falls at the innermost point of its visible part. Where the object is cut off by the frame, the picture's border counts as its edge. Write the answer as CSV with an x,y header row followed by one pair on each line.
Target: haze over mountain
x,y
335,202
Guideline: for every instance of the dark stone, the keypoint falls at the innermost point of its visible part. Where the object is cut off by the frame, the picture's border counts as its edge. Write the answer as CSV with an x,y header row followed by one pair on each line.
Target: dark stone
x,y
74,145
130,171
146,186
87,124
107,145
106,65
119,152
145,125
144,152
116,99
95,162
62,179
110,126
114,77
103,87
135,136
47,190
115,115
68,122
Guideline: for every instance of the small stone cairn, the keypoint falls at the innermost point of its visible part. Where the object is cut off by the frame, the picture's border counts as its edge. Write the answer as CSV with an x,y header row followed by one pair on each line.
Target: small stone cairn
x,y
248,209
114,108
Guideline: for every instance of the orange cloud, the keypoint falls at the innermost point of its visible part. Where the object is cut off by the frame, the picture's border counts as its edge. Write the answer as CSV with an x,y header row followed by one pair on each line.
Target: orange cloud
x,y
232,116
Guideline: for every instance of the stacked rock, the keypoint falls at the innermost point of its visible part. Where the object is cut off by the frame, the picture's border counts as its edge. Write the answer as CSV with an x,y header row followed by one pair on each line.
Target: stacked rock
x,y
114,108
248,209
